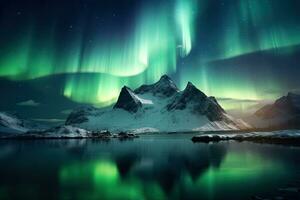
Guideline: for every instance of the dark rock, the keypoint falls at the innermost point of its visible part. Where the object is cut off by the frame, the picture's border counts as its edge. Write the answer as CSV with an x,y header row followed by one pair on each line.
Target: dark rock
x,y
164,87
128,101
199,103
12,123
125,135
207,138
286,109
256,138
286,105
101,134
192,99
79,115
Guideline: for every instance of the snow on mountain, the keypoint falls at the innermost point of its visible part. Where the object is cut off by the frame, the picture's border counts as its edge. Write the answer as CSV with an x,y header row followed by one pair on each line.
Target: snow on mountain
x,y
159,107
284,113
290,137
128,100
80,115
11,124
165,87
59,132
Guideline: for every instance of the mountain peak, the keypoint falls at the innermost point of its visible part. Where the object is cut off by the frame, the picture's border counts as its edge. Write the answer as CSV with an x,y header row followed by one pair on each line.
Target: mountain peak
x,y
126,89
164,87
192,90
79,114
198,103
288,102
283,113
128,100
165,78
190,86
162,108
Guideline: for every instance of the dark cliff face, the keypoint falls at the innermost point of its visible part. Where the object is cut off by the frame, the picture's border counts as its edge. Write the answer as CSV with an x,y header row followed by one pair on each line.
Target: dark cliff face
x,y
188,95
13,121
286,108
190,99
286,105
128,101
164,87
290,103
80,115
198,102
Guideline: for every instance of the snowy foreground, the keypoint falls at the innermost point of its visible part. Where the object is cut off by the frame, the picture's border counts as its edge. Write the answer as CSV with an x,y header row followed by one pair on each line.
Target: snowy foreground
x,y
67,132
278,137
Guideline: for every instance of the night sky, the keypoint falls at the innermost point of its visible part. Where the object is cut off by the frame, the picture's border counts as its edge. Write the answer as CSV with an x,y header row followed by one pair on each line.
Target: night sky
x,y
244,52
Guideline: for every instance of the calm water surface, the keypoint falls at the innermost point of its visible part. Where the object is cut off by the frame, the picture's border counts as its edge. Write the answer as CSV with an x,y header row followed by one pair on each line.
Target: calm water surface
x,y
150,167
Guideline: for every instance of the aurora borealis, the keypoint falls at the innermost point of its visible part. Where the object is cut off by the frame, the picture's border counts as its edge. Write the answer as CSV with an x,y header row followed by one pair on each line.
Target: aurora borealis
x,y
236,50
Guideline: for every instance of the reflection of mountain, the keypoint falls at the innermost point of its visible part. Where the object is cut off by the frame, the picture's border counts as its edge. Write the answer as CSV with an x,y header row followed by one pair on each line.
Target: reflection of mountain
x,y
159,170
168,170
157,167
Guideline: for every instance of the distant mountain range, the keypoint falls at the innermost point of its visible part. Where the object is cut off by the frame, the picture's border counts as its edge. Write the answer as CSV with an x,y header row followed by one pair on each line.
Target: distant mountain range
x,y
284,113
12,124
159,107
162,107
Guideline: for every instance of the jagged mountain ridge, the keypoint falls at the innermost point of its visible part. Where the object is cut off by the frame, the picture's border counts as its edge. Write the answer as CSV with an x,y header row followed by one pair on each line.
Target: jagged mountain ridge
x,y
165,87
12,124
128,100
158,107
282,114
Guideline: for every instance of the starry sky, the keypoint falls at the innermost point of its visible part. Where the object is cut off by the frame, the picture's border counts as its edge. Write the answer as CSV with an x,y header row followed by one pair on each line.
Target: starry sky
x,y
244,52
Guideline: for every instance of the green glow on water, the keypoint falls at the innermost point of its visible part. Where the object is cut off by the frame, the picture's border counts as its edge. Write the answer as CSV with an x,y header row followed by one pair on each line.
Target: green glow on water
x,y
236,169
102,179
239,166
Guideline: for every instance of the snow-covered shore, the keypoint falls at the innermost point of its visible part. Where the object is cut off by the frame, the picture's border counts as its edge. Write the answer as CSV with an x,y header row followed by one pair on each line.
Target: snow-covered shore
x,y
276,137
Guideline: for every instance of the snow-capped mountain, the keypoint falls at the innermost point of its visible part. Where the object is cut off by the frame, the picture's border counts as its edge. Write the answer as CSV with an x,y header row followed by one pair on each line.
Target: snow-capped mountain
x,y
159,107
283,113
10,123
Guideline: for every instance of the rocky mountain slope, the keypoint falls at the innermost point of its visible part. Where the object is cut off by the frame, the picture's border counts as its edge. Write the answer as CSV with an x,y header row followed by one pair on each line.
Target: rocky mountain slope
x,y
159,107
12,124
284,113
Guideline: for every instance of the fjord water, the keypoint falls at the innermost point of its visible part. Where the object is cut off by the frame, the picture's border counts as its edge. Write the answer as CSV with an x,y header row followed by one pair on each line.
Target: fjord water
x,y
149,167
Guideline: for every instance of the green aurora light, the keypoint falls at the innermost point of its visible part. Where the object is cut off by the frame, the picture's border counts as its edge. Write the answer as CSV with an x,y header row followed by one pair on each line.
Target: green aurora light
x,y
160,37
